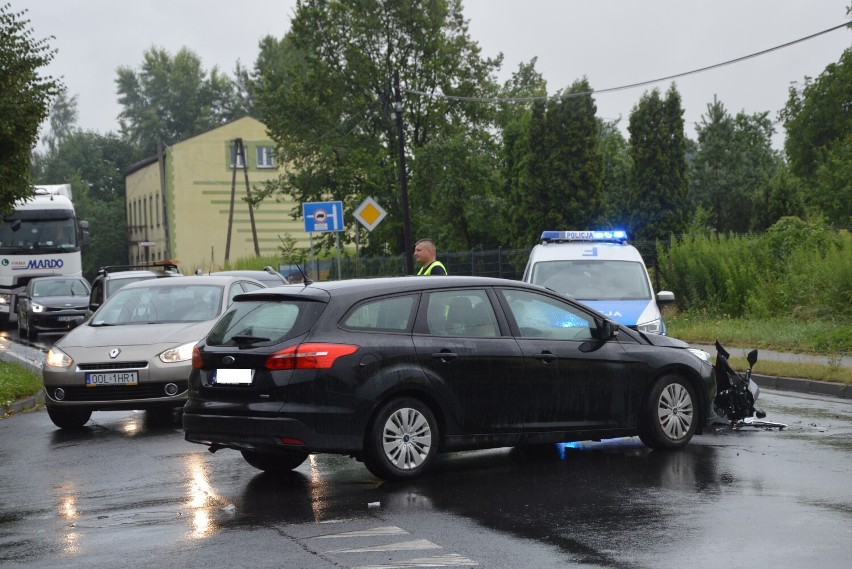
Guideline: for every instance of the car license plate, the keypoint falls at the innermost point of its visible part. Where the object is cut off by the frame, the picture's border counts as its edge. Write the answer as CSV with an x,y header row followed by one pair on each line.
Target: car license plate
x,y
233,376
66,318
112,378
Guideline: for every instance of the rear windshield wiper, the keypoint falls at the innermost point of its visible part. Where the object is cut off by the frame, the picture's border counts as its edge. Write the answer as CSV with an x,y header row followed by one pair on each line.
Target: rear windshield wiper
x,y
243,339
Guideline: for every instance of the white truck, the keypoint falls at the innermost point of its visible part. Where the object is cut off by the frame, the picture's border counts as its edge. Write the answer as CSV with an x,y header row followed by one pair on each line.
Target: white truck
x,y
41,237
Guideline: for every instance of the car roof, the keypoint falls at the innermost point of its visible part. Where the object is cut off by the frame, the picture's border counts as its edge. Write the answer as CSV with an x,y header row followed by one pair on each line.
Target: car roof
x,y
141,272
579,251
191,279
385,285
260,275
57,278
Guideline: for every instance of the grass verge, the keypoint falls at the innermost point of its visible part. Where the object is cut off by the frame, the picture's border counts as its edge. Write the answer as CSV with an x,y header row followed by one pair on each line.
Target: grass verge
x,y
17,382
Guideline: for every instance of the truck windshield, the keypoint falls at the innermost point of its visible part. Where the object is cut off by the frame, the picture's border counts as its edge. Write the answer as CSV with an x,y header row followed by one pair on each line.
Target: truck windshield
x,y
38,235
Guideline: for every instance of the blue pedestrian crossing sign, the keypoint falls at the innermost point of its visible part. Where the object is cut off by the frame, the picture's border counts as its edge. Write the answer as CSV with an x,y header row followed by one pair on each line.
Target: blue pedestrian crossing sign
x,y
323,217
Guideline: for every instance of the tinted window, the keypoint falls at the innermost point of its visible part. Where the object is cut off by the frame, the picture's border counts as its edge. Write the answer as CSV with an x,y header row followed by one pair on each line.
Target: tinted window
x,y
264,322
466,313
382,314
540,316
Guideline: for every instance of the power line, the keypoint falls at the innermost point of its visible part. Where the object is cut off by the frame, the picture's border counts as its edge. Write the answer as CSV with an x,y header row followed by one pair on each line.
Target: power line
x,y
624,87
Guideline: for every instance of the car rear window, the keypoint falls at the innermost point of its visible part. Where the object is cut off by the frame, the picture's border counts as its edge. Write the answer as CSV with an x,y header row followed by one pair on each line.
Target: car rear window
x,y
264,322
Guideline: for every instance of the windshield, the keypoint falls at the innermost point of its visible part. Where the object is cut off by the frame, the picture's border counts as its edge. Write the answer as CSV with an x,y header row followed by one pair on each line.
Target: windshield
x,y
28,235
594,280
161,304
60,287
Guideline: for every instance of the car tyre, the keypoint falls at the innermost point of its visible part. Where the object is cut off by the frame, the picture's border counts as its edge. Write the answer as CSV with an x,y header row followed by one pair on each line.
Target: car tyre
x,y
69,418
275,462
402,440
670,415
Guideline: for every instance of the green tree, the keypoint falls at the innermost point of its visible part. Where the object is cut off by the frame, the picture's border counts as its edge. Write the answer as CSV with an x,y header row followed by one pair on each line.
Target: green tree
x,y
615,154
62,120
782,197
659,189
818,119
553,165
173,98
575,186
731,171
25,96
324,92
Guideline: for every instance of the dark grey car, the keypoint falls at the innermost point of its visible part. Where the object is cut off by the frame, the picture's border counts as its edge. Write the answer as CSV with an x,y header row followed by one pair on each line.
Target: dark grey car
x,y
52,304
393,371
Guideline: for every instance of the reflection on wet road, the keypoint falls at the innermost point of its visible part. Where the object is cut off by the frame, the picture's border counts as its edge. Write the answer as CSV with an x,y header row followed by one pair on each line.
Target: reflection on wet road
x,y
129,490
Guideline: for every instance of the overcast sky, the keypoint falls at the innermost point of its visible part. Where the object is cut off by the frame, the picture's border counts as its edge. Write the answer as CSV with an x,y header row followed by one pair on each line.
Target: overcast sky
x,y
611,42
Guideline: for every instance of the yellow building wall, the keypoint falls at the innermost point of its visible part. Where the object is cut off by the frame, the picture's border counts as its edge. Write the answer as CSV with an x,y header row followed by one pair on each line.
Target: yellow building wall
x,y
144,216
199,182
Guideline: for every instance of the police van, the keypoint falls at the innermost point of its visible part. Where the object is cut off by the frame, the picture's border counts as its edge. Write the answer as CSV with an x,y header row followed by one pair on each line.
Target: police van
x,y
599,269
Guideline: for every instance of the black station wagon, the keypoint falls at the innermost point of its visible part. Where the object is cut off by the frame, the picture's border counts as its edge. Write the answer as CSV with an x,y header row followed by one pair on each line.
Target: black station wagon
x,y
394,371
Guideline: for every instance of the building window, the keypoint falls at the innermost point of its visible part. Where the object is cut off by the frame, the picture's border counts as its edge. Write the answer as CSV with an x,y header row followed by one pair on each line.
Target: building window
x,y
264,157
236,160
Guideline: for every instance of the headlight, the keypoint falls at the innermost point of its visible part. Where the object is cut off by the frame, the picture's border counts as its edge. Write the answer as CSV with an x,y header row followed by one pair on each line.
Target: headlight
x,y
57,358
38,307
180,354
5,298
652,327
701,355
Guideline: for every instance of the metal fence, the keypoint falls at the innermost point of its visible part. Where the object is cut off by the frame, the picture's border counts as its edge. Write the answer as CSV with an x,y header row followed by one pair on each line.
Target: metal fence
x,y
500,263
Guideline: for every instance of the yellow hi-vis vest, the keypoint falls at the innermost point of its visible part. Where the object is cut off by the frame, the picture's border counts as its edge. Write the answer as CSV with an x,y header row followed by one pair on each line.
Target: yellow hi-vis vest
x,y
426,271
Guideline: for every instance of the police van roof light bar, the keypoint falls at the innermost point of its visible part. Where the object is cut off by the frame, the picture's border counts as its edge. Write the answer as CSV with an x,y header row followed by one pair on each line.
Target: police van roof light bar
x,y
611,236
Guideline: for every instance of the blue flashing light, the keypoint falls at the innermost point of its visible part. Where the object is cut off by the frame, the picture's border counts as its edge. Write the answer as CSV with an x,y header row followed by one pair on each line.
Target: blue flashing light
x,y
612,236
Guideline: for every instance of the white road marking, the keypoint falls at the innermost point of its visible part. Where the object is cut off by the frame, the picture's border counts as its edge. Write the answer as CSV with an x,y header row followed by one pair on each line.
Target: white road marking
x,y
389,530
401,546
451,560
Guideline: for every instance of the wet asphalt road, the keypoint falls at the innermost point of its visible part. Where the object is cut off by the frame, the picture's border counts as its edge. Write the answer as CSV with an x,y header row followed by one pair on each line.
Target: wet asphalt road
x,y
131,493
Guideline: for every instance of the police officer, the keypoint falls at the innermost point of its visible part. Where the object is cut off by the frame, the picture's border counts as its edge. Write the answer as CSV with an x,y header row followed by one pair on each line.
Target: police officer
x,y
424,256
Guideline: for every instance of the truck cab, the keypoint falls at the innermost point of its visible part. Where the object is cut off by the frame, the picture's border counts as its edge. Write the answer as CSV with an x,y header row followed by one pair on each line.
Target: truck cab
x,y
41,237
599,269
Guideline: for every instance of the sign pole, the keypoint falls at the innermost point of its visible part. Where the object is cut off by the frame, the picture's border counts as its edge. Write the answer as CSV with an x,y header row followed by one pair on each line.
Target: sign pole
x,y
311,241
337,238
357,248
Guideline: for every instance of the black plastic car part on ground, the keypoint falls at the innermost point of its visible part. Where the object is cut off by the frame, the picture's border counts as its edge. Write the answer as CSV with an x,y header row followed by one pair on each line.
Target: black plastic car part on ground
x,y
393,371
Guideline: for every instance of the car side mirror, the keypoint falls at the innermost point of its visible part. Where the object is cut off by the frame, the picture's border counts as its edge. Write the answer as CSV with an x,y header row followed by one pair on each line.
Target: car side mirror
x,y
605,330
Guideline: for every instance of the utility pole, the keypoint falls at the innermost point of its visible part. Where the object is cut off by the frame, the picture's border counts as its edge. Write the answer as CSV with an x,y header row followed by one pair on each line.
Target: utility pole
x,y
403,178
233,198
242,150
161,160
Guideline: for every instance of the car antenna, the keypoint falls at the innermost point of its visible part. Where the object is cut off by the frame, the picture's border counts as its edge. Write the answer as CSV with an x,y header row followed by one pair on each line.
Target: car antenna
x,y
305,278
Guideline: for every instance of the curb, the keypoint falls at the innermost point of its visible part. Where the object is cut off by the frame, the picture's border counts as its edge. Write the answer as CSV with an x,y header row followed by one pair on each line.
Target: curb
x,y
22,405
812,386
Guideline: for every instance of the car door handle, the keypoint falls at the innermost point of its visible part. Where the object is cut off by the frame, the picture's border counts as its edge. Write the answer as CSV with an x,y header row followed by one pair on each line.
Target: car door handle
x,y
546,357
445,356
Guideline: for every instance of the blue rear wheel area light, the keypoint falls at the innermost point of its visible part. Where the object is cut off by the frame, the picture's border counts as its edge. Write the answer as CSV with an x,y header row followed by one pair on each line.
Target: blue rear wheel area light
x,y
610,235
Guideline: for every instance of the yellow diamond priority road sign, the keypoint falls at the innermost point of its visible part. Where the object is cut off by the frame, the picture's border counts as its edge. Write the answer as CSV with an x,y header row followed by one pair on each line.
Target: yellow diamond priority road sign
x,y
370,213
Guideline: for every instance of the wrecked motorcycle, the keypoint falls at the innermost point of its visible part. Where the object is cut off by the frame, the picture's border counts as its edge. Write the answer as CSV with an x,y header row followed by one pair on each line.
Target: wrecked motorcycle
x,y
736,393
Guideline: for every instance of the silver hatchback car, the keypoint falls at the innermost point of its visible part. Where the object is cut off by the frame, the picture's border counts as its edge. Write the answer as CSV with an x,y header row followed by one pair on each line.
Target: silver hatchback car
x,y
135,352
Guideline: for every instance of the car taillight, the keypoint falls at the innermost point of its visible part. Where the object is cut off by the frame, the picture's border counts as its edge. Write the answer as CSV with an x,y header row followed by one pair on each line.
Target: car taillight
x,y
308,356
197,362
